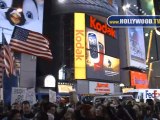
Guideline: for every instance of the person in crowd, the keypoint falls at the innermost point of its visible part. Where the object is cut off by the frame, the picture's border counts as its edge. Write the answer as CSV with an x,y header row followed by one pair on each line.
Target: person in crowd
x,y
51,110
77,109
138,111
16,106
85,113
14,115
148,114
99,115
41,116
130,110
69,115
27,113
60,111
111,110
36,108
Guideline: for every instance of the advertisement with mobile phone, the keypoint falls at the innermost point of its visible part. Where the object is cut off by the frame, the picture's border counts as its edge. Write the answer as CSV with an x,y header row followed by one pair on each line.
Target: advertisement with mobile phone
x,y
99,64
94,44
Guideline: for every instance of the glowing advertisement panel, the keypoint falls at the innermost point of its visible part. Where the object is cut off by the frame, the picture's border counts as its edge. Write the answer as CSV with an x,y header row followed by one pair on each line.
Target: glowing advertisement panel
x,y
136,48
100,65
30,17
79,46
138,80
65,88
101,88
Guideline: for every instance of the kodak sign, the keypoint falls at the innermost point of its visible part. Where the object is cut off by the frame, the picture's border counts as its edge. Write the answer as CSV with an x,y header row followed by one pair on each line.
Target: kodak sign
x,y
101,27
79,46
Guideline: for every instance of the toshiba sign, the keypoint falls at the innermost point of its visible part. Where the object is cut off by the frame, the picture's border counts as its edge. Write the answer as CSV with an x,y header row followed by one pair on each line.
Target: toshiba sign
x,y
79,46
101,27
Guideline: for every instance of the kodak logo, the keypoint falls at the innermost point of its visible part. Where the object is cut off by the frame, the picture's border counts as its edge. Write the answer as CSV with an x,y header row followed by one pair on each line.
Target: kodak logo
x,y
103,28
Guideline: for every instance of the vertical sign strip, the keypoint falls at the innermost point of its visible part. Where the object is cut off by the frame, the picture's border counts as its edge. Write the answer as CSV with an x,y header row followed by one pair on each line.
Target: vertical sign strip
x,y
79,46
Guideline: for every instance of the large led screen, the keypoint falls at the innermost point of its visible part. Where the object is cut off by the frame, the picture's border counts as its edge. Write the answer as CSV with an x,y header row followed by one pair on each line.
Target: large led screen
x,y
30,17
136,48
138,80
101,62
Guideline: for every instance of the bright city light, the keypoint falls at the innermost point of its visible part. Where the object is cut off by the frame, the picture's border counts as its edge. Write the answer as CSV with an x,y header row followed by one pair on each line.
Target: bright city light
x,y
128,5
49,81
146,34
61,1
121,85
125,7
19,10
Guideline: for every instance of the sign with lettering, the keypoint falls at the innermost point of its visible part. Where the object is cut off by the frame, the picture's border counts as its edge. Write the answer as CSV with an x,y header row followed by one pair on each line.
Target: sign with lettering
x,y
99,26
31,96
101,88
79,46
52,96
138,80
18,95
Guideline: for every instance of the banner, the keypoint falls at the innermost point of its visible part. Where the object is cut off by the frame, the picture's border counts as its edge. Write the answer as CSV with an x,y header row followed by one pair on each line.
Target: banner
x,y
31,96
18,95
101,88
79,46
52,96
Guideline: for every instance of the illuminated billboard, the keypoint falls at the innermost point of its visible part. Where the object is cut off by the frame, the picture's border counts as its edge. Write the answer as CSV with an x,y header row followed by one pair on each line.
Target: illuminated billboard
x,y
138,80
101,88
64,88
79,46
30,17
136,48
102,54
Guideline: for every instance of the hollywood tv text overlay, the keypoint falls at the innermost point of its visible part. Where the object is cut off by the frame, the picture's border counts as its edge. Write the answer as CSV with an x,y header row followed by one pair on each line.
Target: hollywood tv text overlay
x,y
149,21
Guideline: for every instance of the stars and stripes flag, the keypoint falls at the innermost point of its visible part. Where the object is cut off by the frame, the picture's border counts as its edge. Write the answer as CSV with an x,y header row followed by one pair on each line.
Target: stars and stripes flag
x,y
8,59
1,67
29,42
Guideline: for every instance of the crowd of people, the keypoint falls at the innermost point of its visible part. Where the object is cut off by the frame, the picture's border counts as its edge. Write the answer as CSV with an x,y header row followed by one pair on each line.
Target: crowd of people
x,y
108,110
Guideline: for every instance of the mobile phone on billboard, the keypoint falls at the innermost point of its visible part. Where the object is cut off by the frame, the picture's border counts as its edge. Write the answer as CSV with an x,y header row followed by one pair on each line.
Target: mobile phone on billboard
x,y
99,65
93,46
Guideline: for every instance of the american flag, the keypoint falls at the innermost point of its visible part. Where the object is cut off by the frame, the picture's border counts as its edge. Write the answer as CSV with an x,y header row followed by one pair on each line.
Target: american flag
x,y
29,42
8,59
1,68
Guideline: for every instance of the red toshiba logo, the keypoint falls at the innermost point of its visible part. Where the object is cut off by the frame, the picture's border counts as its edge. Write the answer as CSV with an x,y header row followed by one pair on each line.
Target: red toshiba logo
x,y
103,28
